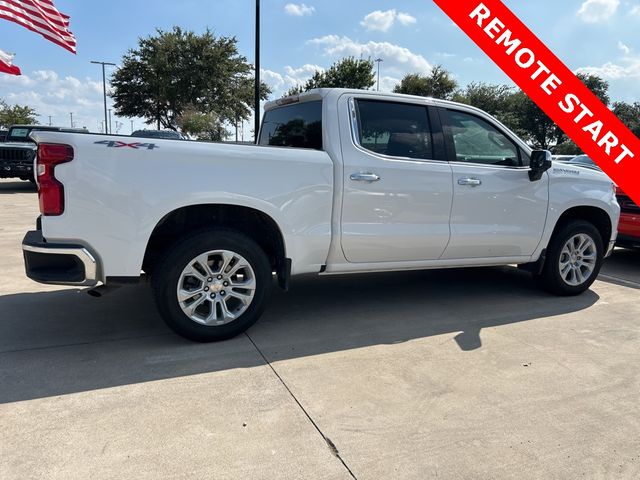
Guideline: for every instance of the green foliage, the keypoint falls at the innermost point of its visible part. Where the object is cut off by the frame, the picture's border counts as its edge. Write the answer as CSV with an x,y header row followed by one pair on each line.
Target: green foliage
x,y
16,115
567,148
597,85
178,70
437,84
203,126
346,73
629,114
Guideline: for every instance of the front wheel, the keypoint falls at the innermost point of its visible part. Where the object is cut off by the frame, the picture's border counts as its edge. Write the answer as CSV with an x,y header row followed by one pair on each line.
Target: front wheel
x,y
213,285
574,258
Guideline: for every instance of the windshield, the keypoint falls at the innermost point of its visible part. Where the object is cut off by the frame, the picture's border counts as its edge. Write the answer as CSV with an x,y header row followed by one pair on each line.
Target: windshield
x,y
19,134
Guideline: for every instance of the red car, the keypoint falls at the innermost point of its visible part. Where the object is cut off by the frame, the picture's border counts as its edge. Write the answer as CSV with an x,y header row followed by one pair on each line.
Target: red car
x,y
629,228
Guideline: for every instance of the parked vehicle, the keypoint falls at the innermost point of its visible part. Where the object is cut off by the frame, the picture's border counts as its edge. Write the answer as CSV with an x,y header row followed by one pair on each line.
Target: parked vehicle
x,y
164,134
629,228
18,150
363,182
563,158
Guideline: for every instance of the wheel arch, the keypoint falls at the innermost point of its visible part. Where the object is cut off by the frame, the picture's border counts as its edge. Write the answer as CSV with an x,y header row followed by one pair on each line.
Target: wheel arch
x,y
597,216
254,223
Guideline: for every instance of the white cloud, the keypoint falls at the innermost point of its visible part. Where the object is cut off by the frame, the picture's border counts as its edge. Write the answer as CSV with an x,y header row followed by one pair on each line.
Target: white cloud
x,y
299,9
594,11
290,77
383,21
50,94
627,68
397,60
625,48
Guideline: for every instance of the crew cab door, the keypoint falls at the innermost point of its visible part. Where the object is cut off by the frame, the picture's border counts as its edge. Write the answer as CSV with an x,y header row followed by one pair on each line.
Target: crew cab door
x,y
497,210
397,187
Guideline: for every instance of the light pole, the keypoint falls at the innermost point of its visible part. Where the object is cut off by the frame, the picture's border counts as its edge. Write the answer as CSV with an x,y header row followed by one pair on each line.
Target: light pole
x,y
104,88
132,126
379,61
50,124
257,74
71,115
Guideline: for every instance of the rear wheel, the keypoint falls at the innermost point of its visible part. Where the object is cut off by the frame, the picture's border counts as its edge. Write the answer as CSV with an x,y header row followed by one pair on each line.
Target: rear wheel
x,y
213,285
574,259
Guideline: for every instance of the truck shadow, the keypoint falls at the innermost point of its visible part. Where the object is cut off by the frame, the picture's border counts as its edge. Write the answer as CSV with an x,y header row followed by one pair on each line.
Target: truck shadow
x,y
60,342
18,186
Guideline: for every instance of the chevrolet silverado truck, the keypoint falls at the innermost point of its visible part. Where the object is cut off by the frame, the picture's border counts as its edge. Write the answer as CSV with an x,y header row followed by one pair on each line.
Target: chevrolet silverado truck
x,y
341,181
17,150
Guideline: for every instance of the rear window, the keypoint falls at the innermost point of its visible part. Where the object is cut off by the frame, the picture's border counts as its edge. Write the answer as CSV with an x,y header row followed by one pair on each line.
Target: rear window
x,y
298,125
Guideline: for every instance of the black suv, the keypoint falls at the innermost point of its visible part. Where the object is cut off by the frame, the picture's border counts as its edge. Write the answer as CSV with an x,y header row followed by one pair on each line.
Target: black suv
x,y
18,150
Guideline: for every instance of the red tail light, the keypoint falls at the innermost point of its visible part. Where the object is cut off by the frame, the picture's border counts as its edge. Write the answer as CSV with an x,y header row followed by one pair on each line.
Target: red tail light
x,y
50,190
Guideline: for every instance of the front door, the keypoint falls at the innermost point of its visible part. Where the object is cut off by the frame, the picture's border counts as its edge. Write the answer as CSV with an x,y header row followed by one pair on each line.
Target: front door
x,y
397,190
497,210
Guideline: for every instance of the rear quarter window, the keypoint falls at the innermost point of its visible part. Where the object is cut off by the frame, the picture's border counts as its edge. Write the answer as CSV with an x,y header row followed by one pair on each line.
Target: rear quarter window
x,y
298,126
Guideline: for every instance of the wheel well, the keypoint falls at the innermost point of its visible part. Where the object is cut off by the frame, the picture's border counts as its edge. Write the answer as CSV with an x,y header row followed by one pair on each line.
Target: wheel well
x,y
594,215
255,224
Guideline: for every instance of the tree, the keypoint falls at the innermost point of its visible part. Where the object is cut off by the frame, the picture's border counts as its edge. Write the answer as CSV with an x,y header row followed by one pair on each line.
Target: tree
x,y
203,126
437,84
629,114
17,115
497,100
176,70
598,86
346,73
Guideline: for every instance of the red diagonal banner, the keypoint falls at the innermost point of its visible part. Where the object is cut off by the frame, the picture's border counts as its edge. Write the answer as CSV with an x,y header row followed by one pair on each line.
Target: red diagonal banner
x,y
552,86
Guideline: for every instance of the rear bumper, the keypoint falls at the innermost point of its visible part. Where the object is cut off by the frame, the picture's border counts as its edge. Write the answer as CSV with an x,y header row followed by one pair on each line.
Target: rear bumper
x,y
58,264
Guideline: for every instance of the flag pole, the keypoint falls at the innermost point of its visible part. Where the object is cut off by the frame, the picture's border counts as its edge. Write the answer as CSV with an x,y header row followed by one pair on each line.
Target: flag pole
x,y
257,75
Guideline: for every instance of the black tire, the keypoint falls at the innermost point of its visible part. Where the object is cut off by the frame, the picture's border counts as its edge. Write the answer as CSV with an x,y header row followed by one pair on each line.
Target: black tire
x,y
169,269
551,278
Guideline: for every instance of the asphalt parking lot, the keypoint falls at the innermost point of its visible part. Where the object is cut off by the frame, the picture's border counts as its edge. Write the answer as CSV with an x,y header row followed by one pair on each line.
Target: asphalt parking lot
x,y
439,374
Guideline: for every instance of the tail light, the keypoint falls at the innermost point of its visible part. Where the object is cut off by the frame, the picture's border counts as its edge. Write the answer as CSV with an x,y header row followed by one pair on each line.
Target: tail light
x,y
50,190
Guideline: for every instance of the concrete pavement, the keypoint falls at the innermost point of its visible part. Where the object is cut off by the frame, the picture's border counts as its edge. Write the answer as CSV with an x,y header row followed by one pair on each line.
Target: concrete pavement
x,y
439,374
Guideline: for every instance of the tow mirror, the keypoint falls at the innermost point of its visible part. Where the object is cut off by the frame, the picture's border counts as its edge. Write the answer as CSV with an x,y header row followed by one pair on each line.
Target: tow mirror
x,y
540,163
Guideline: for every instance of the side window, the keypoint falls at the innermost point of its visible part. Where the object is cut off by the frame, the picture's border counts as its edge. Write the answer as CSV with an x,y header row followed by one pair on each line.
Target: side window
x,y
298,125
477,141
395,129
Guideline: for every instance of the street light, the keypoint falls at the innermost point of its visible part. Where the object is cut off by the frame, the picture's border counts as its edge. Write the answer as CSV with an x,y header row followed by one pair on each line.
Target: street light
x,y
104,88
379,61
71,115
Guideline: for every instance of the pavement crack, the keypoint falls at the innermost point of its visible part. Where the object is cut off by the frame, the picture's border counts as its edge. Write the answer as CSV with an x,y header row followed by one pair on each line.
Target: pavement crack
x,y
332,447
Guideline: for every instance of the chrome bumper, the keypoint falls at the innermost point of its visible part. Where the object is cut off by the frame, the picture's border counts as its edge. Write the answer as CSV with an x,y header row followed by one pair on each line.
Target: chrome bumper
x,y
58,264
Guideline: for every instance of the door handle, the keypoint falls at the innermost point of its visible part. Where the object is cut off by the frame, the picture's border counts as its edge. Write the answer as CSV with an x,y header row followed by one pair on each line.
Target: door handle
x,y
364,177
472,182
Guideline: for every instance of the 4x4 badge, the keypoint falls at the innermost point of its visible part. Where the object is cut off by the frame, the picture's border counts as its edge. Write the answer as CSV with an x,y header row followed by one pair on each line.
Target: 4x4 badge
x,y
135,145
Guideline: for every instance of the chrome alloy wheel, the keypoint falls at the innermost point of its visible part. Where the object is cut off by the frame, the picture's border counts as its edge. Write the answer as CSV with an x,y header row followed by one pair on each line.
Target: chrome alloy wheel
x,y
578,259
216,288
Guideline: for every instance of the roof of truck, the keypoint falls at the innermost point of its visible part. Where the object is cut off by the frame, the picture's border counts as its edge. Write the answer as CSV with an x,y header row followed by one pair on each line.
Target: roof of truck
x,y
321,93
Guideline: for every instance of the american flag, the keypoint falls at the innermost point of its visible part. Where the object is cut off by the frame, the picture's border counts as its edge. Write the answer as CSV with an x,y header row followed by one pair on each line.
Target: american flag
x,y
6,64
42,17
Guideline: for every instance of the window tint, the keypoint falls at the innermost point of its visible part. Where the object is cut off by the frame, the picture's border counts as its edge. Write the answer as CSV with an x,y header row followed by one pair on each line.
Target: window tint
x,y
395,129
298,125
477,141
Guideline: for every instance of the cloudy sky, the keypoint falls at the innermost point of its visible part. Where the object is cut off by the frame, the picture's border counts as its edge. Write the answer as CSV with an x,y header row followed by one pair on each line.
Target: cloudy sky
x,y
600,36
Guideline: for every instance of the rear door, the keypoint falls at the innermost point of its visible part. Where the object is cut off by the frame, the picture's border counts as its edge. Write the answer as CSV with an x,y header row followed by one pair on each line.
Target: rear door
x,y
497,210
397,184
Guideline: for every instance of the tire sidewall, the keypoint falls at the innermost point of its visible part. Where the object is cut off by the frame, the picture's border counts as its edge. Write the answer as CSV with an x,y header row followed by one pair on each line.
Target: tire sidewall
x,y
166,277
552,276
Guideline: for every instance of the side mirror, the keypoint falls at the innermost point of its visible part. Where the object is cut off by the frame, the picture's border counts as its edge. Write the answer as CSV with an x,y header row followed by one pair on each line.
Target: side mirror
x,y
540,163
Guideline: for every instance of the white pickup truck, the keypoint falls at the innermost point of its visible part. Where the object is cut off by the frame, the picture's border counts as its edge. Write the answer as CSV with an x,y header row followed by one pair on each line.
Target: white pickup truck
x,y
342,181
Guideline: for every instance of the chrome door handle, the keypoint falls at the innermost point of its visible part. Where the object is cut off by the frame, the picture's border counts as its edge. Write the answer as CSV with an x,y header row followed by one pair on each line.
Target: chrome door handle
x,y
364,177
472,182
